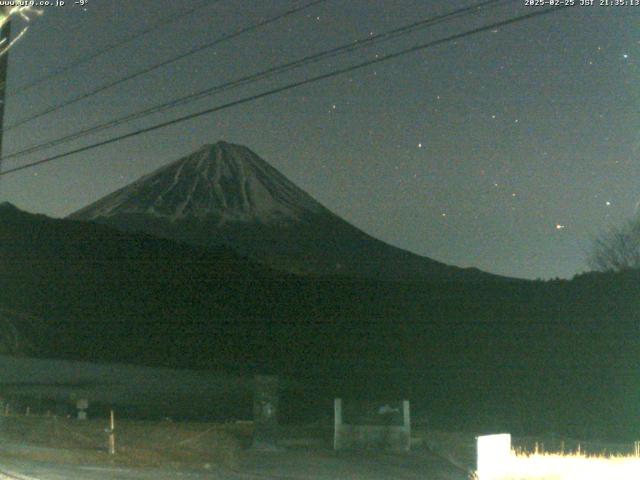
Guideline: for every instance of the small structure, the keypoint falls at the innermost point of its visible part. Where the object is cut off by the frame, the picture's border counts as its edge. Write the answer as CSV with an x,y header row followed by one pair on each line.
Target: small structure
x,y
265,412
372,425
82,405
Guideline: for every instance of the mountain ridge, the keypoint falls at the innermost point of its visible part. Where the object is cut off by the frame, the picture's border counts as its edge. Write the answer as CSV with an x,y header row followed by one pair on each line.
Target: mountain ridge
x,y
225,194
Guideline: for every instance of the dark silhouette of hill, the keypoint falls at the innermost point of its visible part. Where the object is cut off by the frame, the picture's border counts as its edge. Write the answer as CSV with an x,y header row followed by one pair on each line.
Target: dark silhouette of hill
x,y
519,356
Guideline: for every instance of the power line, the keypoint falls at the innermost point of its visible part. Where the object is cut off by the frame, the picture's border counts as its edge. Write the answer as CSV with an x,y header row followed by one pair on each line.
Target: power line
x,y
333,52
290,86
164,63
110,47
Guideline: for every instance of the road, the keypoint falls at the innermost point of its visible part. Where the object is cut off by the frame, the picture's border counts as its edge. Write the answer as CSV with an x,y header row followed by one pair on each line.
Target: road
x,y
291,464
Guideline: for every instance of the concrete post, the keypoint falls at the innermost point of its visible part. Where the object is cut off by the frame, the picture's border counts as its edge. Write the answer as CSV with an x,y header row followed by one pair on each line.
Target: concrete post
x,y
337,423
265,412
5,37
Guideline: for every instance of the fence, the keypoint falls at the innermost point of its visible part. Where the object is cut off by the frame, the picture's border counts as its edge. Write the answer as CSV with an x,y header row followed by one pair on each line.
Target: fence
x,y
372,426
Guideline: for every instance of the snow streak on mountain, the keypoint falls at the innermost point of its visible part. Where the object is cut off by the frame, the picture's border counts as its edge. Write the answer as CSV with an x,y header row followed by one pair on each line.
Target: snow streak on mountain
x,y
225,195
224,181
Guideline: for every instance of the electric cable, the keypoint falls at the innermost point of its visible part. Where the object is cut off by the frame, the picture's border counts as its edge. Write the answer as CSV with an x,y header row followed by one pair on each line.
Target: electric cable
x,y
164,63
110,47
331,53
290,86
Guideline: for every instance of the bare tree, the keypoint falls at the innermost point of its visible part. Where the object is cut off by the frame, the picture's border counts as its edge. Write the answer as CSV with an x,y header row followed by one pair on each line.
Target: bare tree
x,y
618,249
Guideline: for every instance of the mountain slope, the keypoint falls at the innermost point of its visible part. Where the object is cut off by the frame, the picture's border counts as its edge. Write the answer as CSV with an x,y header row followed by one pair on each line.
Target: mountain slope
x,y
104,294
225,194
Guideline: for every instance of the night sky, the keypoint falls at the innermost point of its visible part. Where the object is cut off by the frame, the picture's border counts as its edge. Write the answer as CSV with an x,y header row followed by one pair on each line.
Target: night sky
x,y
508,150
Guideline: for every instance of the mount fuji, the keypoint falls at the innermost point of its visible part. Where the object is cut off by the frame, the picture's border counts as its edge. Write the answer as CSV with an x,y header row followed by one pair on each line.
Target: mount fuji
x,y
226,195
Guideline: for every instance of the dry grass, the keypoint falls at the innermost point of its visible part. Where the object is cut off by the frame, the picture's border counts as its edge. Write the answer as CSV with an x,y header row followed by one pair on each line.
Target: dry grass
x,y
138,443
460,449
568,467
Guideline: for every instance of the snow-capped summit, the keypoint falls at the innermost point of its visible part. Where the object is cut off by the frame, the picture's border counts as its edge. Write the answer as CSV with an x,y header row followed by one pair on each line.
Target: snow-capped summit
x,y
225,195
223,181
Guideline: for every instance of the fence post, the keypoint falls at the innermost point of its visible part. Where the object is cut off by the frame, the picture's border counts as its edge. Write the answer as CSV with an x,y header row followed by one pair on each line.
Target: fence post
x,y
265,412
406,424
337,423
112,434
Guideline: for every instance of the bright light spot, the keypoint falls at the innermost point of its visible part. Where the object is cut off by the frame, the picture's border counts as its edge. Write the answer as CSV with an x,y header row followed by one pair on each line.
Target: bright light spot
x,y
625,55
494,453
420,145
444,214
6,15
607,203
570,467
560,226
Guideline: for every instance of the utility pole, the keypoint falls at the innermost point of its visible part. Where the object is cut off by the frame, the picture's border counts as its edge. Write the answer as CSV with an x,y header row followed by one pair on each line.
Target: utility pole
x,y
5,40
